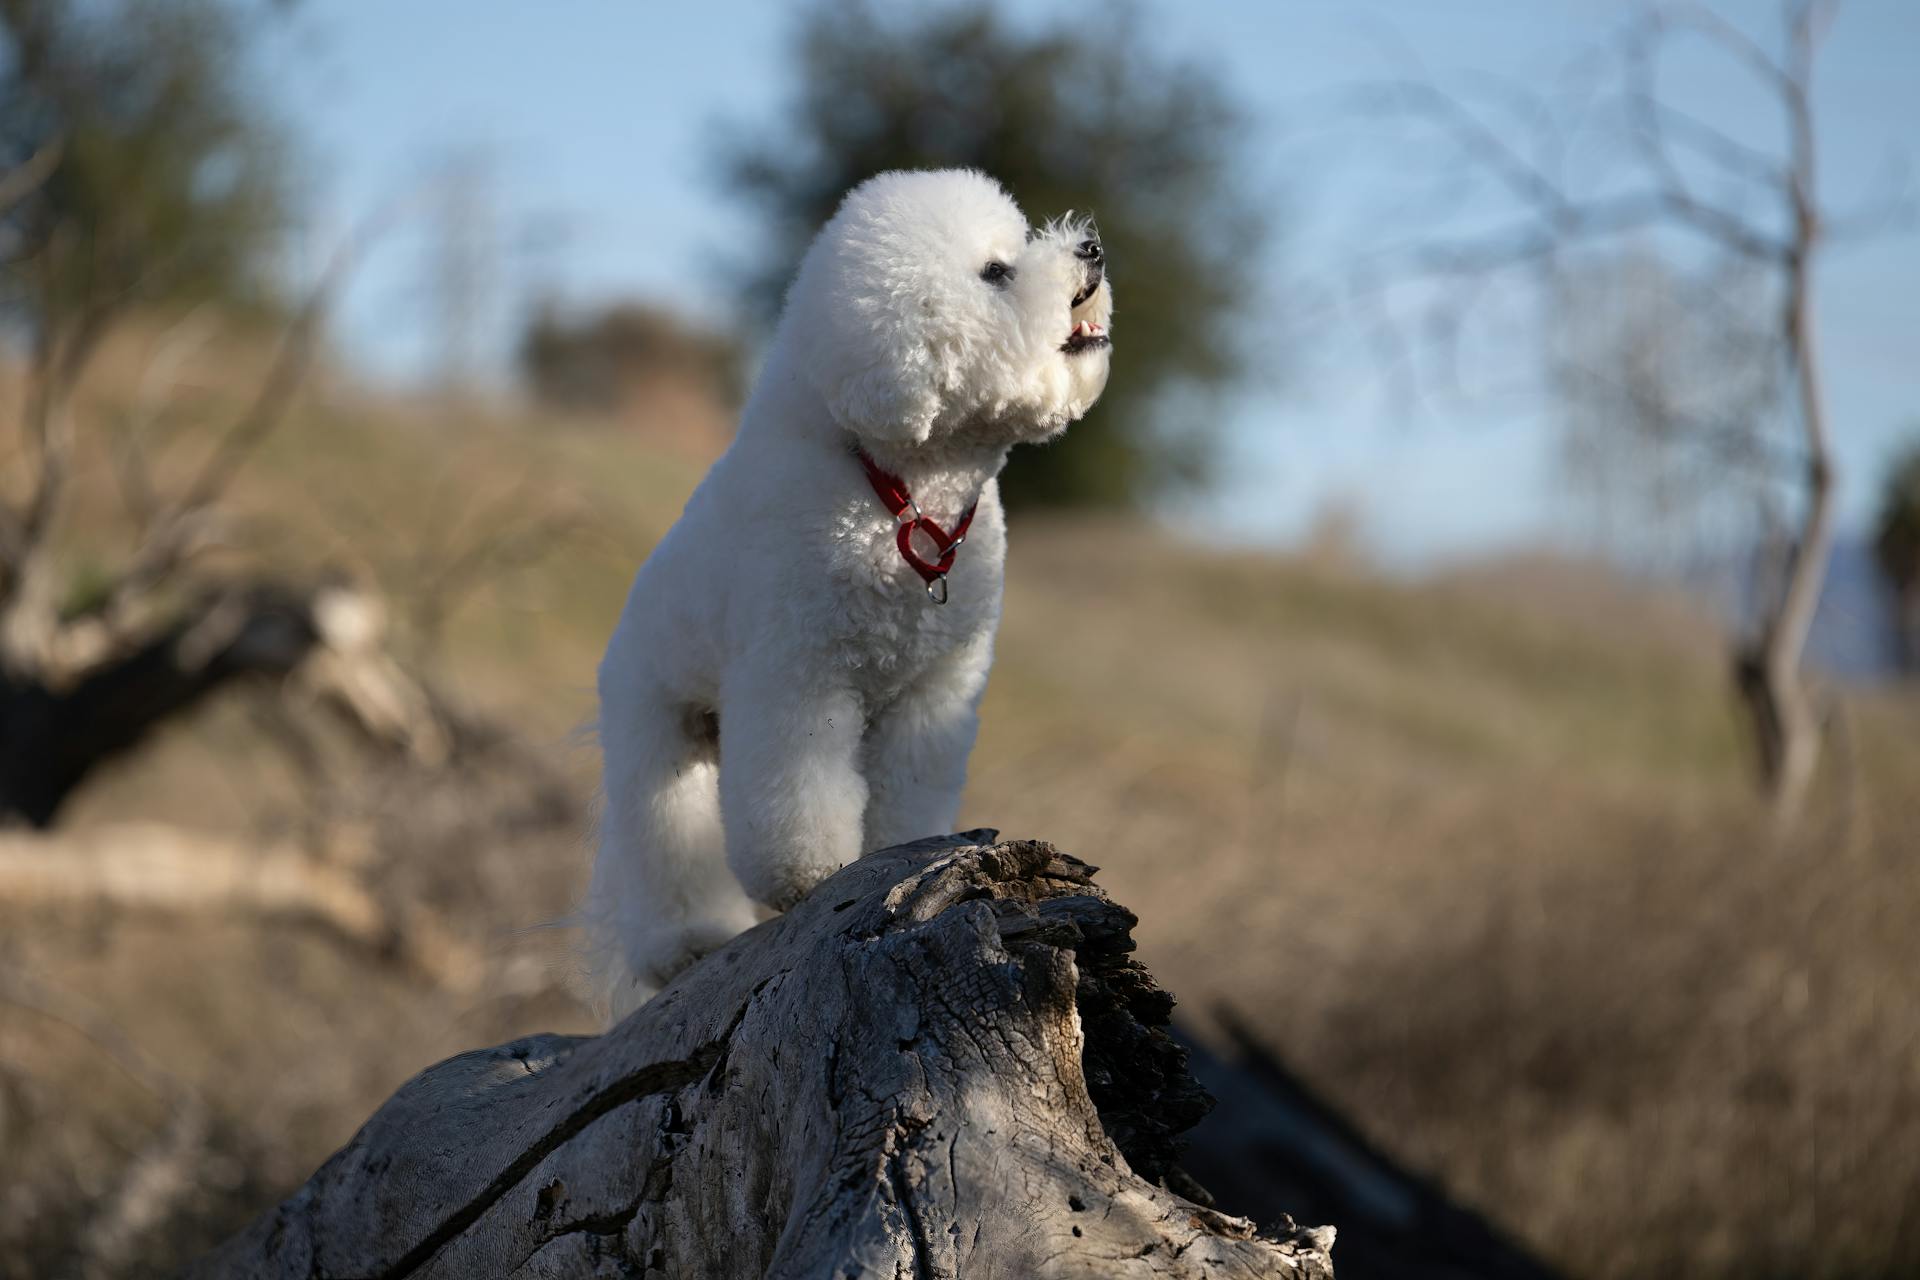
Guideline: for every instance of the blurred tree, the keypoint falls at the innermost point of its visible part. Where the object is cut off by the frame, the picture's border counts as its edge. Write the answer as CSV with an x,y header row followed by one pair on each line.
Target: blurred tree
x,y
168,181
1660,378
597,360
1084,116
1896,546
1714,355
135,171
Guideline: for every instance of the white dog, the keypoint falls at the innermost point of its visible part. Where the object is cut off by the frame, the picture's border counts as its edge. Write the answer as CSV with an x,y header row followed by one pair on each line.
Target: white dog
x,y
795,677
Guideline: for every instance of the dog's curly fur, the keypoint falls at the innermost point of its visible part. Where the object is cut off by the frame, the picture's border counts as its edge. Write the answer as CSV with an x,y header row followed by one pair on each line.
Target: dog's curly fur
x,y
781,694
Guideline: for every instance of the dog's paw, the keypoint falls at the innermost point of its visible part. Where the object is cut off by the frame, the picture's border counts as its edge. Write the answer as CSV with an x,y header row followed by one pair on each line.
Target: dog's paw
x,y
622,992
656,951
779,885
677,949
667,953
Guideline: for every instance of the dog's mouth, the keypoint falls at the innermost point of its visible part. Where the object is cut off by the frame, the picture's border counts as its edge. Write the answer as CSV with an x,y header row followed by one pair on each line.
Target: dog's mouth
x,y
1087,335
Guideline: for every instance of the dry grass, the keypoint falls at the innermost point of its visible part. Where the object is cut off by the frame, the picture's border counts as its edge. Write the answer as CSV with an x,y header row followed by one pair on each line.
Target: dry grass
x,y
1478,853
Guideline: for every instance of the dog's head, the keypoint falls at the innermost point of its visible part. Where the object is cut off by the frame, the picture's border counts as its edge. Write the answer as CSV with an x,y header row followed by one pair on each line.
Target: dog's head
x,y
927,306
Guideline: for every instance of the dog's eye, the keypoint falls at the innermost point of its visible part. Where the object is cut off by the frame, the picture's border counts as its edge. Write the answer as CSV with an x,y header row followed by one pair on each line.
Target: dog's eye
x,y
996,273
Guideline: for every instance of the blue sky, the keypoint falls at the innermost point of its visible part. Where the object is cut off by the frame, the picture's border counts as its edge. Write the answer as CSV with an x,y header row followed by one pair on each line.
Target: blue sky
x,y
593,121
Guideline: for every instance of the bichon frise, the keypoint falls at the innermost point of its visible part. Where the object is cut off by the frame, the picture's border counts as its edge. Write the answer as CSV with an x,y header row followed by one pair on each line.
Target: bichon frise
x,y
795,677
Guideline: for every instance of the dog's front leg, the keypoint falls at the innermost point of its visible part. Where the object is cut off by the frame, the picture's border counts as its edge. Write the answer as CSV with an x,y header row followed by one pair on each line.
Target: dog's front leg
x,y
916,751
791,793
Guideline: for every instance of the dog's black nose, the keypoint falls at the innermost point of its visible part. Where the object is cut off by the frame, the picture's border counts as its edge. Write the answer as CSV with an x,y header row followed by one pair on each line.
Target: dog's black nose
x,y
1090,251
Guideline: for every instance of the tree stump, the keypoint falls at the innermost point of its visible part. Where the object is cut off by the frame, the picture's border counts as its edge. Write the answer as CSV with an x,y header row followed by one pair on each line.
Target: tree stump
x,y
943,1063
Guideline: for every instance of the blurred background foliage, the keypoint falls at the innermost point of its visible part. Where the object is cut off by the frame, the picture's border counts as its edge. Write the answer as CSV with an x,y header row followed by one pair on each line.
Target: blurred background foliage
x,y
597,362
1473,848
1896,545
166,179
1151,145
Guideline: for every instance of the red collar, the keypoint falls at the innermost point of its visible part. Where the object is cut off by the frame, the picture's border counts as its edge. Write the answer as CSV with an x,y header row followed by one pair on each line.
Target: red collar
x,y
892,492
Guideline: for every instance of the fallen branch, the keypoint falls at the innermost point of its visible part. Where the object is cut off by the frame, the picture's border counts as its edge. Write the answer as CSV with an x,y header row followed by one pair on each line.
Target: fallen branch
x,y
942,1063
154,867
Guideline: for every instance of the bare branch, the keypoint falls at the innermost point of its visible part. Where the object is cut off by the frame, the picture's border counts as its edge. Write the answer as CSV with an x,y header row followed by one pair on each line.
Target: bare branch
x,y
1556,217
59,359
28,609
1423,100
1809,21
1703,20
178,528
1653,120
1731,440
30,175
1725,152
1532,240
507,542
183,340
13,544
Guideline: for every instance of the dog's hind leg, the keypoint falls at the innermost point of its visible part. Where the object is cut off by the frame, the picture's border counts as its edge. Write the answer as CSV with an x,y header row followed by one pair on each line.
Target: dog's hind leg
x,y
661,895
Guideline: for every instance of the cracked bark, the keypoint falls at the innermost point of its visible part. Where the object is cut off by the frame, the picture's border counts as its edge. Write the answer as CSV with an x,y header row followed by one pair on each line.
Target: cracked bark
x,y
942,1063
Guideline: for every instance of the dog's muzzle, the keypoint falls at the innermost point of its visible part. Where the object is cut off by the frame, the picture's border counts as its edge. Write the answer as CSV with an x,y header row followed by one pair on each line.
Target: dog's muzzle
x,y
1087,335
1093,267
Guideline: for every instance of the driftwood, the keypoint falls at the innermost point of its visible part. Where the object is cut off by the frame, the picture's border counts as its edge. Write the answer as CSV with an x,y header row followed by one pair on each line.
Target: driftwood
x,y
943,1063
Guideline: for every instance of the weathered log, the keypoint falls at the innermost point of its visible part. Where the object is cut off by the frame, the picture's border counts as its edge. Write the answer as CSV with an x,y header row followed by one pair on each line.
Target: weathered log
x,y
942,1063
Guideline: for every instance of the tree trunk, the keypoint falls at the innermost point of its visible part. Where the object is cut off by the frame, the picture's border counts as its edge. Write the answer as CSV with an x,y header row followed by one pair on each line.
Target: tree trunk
x,y
1786,719
1771,673
942,1063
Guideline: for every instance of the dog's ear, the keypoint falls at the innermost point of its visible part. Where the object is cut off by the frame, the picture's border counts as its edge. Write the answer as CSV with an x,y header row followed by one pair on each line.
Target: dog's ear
x,y
872,365
892,399
862,318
